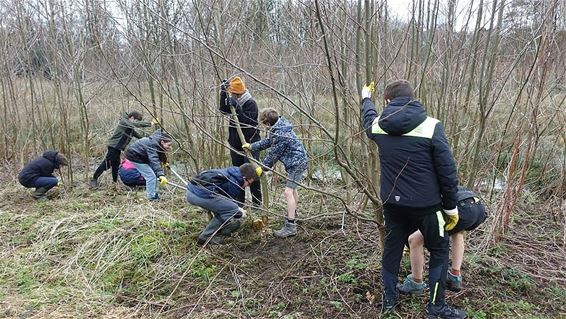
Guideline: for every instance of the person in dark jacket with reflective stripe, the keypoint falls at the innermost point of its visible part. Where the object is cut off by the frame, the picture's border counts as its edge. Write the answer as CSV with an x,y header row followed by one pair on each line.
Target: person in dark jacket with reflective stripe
x,y
121,137
217,190
235,93
38,173
418,188
147,154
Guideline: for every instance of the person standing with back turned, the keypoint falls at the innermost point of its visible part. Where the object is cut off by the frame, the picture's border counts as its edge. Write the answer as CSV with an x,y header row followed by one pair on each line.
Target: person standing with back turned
x,y
418,189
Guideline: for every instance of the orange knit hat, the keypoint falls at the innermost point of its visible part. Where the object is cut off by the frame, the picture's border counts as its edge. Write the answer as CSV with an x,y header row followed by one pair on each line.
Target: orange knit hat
x,y
237,86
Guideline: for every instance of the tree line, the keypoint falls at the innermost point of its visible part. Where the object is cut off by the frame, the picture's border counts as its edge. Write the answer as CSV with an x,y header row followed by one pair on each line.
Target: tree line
x,y
493,72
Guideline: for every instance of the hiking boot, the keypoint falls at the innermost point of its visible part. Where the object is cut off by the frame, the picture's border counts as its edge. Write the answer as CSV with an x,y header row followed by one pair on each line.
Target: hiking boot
x,y
211,230
93,184
388,305
453,283
444,311
39,194
231,226
409,286
288,230
218,239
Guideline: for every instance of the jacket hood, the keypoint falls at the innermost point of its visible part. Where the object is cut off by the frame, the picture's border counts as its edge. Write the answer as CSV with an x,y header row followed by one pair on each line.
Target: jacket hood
x,y
52,157
234,172
156,135
282,125
401,116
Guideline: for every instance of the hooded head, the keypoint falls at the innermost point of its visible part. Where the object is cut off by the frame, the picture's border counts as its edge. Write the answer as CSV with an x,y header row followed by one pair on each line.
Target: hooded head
x,y
56,158
237,86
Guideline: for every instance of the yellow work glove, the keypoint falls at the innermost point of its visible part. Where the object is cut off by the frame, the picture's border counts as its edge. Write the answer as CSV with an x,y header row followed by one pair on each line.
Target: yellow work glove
x,y
60,183
368,90
451,218
246,146
163,180
155,121
259,171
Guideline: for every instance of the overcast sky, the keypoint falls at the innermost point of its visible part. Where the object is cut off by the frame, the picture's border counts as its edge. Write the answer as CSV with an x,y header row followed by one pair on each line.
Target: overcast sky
x,y
402,10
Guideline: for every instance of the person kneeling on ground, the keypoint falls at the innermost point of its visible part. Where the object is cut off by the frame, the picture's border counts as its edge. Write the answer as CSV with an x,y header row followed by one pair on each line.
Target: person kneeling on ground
x,y
130,175
217,190
38,173
471,213
146,155
287,148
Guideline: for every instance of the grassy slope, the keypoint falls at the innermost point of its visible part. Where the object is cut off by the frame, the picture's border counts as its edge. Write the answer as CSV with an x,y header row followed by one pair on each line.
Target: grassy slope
x,y
111,254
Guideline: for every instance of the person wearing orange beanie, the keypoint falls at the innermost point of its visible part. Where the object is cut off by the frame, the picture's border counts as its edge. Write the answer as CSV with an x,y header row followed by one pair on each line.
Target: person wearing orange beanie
x,y
234,93
237,86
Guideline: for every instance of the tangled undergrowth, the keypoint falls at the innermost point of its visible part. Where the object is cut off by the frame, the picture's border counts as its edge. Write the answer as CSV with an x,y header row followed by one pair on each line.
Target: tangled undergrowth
x,y
111,254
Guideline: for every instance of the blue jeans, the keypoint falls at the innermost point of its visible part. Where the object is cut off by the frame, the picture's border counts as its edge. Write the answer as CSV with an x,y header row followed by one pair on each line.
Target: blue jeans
x,y
45,182
150,179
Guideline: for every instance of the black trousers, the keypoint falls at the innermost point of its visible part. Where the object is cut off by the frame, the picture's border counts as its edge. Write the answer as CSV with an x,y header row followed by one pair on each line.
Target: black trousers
x,y
400,222
255,187
112,160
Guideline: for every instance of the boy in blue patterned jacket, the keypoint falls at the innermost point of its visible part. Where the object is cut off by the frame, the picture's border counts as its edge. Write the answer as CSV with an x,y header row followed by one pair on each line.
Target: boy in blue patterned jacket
x,y
287,148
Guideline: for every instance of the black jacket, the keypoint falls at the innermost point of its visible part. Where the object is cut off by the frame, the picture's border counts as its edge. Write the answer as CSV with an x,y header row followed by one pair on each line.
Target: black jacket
x,y
42,166
247,116
417,167
147,151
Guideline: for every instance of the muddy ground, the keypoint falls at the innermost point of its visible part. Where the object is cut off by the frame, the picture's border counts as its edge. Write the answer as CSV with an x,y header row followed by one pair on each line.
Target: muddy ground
x,y
111,254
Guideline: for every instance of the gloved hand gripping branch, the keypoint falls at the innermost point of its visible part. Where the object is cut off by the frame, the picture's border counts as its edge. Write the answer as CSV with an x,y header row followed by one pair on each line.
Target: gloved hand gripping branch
x,y
367,90
162,180
225,85
451,218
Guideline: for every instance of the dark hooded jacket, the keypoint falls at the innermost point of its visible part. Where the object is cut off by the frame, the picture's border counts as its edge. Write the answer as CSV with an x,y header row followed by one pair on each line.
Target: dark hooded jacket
x,y
226,182
40,167
124,132
147,151
285,146
417,166
247,112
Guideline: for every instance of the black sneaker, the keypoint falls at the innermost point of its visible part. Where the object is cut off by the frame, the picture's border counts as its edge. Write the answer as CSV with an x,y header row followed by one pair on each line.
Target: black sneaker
x,y
444,311
388,305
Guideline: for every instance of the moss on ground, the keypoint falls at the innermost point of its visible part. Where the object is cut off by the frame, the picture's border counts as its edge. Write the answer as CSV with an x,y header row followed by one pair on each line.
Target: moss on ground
x,y
95,254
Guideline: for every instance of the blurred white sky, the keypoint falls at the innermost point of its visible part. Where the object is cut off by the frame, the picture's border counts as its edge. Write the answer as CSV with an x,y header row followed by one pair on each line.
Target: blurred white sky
x,y
402,10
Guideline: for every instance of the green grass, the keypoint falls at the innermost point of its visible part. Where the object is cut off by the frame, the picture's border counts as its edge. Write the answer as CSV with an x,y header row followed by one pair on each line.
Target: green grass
x,y
107,252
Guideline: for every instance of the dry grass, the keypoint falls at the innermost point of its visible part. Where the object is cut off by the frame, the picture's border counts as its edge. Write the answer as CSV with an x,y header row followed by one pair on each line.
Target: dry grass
x,y
111,254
